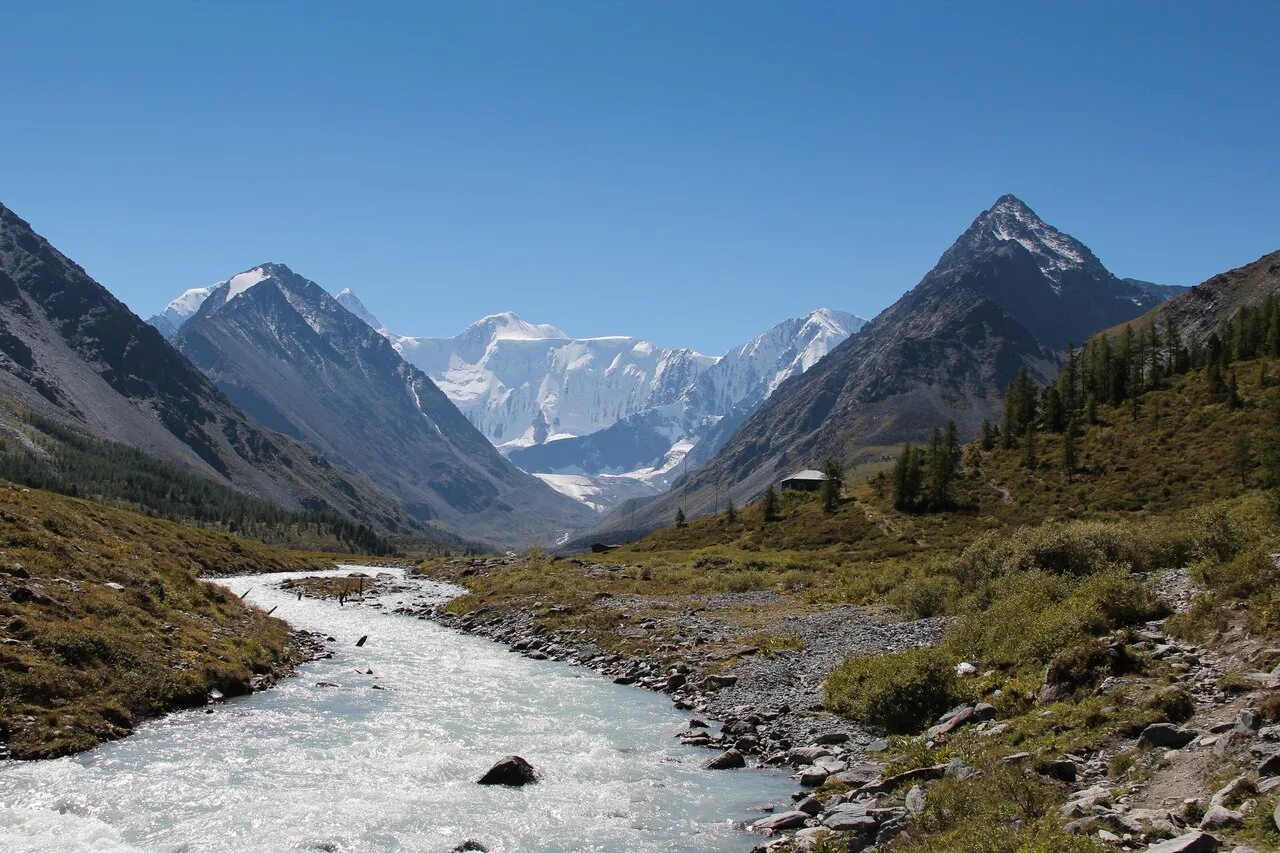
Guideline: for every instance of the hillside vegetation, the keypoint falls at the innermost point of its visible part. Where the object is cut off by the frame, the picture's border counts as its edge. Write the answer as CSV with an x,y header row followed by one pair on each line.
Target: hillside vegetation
x,y
104,620
39,452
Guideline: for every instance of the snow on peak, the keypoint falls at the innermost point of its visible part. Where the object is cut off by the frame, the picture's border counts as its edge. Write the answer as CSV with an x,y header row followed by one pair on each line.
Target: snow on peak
x,y
506,326
1009,219
347,299
242,282
188,303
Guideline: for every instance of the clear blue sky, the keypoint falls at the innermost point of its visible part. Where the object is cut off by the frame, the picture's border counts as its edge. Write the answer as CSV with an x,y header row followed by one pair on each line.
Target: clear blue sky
x,y
691,173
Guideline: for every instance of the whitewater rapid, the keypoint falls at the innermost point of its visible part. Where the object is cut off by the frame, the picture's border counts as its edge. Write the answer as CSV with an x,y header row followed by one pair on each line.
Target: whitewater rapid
x,y
350,768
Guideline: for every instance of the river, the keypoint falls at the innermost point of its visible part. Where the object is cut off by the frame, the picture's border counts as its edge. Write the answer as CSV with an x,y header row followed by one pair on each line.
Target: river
x,y
350,768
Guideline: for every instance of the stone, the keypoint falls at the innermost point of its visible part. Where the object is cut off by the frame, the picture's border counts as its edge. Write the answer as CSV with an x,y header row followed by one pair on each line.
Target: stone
x,y
470,846
849,817
512,771
984,711
778,822
955,721
1191,842
1248,721
831,738
892,783
813,777
958,768
810,805
1166,735
964,669
915,799
1063,770
1221,817
1052,693
730,759
1270,766
715,682
806,755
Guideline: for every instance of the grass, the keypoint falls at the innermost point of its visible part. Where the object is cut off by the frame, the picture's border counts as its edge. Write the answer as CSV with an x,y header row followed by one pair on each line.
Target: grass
x,y
106,621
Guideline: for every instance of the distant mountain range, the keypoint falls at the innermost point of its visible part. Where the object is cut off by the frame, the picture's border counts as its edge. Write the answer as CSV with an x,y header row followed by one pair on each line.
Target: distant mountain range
x,y
1011,291
286,352
607,418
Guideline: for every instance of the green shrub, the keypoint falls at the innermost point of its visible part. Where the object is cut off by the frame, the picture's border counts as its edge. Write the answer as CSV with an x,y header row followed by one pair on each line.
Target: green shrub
x,y
901,691
1087,662
1004,809
1248,573
922,597
1026,618
1174,704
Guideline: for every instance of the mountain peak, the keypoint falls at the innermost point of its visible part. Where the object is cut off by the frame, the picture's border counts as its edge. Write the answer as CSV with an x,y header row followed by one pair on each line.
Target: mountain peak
x,y
1011,220
347,299
506,325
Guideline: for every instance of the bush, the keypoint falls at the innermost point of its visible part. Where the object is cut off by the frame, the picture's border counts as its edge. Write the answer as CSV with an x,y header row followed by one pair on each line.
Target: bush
x,y
1248,573
1006,808
1087,662
1174,704
1026,618
901,691
1075,548
922,597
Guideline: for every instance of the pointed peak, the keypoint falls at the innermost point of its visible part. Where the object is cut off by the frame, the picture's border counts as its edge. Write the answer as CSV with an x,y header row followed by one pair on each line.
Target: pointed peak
x,y
348,299
1010,220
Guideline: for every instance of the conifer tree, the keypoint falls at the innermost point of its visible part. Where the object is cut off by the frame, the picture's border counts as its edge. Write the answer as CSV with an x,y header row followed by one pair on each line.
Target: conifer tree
x,y
832,486
1242,458
680,520
988,441
1233,392
731,512
769,506
1069,449
1029,447
907,479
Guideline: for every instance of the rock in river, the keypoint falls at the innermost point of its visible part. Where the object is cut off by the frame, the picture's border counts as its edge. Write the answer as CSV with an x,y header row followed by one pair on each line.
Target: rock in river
x,y
727,760
513,771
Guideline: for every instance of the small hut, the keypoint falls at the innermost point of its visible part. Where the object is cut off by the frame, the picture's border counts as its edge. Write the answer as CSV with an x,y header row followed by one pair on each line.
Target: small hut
x,y
803,481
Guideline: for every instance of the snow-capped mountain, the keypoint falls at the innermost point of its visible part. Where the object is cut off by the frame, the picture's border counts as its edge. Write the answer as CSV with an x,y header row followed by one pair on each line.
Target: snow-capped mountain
x,y
604,419
180,310
524,383
300,363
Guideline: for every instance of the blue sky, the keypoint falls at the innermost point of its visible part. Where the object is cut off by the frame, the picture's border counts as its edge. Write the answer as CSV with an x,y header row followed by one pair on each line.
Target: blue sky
x,y
691,173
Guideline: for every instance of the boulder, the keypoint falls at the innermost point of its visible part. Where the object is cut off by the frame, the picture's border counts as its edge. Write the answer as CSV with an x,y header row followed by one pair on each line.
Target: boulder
x,y
1191,842
849,817
730,759
1221,817
1166,735
778,822
512,771
952,722
920,774
915,799
1064,770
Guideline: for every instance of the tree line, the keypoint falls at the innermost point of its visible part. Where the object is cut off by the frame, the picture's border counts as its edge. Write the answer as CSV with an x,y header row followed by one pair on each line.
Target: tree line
x,y
72,463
